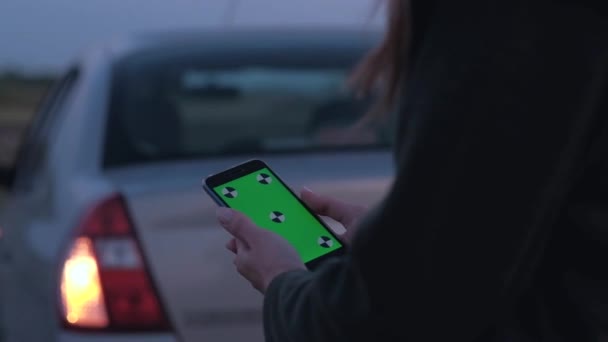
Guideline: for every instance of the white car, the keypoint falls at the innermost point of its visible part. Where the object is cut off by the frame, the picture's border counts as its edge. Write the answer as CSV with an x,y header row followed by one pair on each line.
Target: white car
x,y
107,234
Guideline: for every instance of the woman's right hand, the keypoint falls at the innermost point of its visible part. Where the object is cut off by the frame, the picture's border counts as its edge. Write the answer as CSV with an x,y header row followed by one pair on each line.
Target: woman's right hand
x,y
347,214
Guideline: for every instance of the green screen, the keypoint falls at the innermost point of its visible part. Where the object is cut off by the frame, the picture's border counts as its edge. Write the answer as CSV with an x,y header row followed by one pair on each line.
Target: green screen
x,y
264,199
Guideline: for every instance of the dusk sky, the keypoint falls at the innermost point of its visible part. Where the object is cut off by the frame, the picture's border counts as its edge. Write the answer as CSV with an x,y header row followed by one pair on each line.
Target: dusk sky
x,y
45,35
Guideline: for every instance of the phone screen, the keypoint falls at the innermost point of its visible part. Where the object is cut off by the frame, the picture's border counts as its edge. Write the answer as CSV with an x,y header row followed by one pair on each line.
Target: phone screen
x,y
263,197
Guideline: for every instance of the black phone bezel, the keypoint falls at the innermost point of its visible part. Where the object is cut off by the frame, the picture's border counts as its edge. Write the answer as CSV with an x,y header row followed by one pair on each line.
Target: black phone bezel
x,y
254,165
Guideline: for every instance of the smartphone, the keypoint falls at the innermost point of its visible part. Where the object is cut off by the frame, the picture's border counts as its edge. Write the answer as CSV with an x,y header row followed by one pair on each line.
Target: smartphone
x,y
254,189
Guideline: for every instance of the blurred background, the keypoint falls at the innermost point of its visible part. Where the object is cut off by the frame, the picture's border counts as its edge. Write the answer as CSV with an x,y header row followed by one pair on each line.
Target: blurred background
x,y
111,113
40,39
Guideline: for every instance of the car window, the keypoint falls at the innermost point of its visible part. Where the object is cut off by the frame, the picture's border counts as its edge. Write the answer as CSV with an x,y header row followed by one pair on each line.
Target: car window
x,y
195,112
38,138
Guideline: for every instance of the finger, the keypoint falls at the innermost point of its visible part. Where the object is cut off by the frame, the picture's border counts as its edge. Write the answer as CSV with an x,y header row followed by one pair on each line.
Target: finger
x,y
237,224
347,237
231,245
327,206
240,256
241,246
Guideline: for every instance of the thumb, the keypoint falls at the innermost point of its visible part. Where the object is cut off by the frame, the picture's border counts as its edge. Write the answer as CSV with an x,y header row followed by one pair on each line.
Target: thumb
x,y
327,206
237,224
313,200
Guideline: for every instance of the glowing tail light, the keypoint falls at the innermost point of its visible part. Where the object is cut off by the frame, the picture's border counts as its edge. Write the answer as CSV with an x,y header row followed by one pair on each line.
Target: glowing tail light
x,y
83,302
105,283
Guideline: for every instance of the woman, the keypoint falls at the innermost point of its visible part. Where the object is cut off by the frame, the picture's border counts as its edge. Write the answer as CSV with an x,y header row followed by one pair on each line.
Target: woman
x,y
495,228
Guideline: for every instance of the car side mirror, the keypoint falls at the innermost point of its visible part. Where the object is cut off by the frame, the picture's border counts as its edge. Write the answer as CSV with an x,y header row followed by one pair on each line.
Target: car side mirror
x,y
7,177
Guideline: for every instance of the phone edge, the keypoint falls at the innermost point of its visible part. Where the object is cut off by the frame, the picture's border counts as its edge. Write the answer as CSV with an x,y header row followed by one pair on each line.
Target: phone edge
x,y
214,197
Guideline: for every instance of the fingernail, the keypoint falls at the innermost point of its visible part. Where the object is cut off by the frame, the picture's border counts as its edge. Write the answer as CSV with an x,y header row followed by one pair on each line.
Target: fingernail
x,y
224,215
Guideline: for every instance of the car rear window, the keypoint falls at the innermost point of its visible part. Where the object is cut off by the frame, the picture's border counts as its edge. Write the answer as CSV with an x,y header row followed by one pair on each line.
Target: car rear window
x,y
186,111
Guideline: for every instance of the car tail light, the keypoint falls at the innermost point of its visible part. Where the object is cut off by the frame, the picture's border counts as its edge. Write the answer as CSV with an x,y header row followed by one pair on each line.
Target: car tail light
x,y
81,292
104,280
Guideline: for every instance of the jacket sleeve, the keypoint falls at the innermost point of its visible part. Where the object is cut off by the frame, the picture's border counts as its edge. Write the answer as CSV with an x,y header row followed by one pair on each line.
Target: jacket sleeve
x,y
499,117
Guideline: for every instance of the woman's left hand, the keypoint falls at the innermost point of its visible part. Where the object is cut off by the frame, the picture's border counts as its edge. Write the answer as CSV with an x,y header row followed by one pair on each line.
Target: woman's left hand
x,y
260,255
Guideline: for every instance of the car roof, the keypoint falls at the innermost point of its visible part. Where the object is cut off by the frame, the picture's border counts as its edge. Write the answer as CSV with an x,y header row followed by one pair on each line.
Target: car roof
x,y
313,38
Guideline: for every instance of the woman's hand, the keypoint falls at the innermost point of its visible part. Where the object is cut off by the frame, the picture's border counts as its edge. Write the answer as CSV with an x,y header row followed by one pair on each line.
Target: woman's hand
x,y
347,214
260,255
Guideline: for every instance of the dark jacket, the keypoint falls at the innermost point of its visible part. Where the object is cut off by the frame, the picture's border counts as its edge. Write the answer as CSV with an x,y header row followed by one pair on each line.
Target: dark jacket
x,y
496,227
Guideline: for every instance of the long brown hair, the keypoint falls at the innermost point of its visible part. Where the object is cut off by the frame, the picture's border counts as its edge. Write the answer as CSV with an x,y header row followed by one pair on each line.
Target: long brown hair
x,y
384,66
